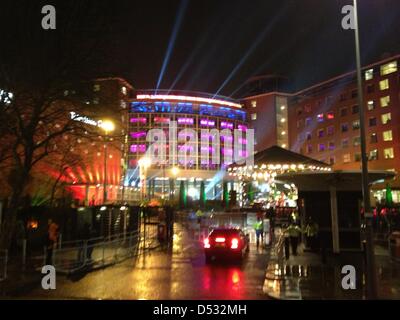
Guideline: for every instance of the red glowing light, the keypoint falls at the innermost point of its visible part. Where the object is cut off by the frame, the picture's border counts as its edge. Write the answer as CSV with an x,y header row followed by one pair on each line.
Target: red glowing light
x,y
220,239
206,243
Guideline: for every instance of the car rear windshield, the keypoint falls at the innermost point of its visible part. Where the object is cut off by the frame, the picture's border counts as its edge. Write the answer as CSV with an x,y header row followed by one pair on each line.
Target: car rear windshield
x,y
224,232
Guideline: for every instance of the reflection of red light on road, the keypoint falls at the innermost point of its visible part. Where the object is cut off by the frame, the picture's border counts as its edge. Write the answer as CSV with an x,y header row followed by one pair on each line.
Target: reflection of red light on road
x,y
235,277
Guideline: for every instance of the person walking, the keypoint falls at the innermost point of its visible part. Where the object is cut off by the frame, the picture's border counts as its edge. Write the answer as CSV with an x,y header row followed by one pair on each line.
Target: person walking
x,y
52,235
259,228
294,234
311,232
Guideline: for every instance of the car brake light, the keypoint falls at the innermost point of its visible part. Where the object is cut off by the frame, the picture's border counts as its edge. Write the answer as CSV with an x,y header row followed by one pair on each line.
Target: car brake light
x,y
234,243
220,239
206,243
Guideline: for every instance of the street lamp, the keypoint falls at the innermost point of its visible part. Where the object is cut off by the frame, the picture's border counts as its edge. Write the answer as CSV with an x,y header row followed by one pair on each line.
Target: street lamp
x,y
369,249
108,126
144,163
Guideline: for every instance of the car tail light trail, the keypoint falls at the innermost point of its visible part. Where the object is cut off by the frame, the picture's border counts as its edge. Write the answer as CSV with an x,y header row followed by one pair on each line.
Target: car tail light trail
x,y
206,243
234,243
220,239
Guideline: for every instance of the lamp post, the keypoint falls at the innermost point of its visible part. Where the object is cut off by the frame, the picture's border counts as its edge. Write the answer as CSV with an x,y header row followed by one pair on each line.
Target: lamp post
x,y
369,248
108,126
144,163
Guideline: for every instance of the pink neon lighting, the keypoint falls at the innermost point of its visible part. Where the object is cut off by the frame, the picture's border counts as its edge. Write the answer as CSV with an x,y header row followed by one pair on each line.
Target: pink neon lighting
x,y
207,123
138,148
187,98
136,120
228,125
161,120
242,127
138,134
185,120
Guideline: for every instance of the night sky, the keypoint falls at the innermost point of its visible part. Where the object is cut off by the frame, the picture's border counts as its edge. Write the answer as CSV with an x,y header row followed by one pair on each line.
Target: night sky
x,y
219,43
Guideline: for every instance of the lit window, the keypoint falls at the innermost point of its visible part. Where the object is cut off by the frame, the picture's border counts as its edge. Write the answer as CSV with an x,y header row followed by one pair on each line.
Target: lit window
x,y
388,153
387,135
384,84
371,105
356,124
254,103
254,116
321,147
344,127
330,115
331,146
354,109
308,122
373,155
123,90
372,122
356,141
386,117
385,101
321,133
345,143
373,138
66,92
346,158
330,130
357,157
369,74
96,87
320,117
389,68
343,112
283,107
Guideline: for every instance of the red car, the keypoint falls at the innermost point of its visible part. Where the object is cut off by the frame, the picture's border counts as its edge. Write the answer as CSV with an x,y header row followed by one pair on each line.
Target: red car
x,y
226,242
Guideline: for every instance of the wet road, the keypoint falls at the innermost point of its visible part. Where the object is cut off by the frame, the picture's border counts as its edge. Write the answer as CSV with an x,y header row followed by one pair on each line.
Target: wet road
x,y
180,273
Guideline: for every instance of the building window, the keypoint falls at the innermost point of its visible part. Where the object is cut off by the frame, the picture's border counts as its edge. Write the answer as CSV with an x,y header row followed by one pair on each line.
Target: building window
x,y
321,133
373,155
330,130
254,103
344,127
369,74
331,146
373,138
354,109
320,117
343,112
342,97
388,68
332,160
386,117
254,116
321,147
372,122
388,153
384,84
346,158
356,141
299,123
308,122
309,148
370,88
308,136
354,93
96,87
330,115
307,108
123,90
387,135
385,101
345,143
371,105
357,157
356,124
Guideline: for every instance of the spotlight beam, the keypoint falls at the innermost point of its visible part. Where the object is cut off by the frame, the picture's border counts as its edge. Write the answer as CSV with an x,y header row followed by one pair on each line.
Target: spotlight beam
x,y
172,40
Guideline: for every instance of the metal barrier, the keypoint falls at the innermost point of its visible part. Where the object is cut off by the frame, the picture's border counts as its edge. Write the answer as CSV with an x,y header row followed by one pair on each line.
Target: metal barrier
x,y
99,252
3,264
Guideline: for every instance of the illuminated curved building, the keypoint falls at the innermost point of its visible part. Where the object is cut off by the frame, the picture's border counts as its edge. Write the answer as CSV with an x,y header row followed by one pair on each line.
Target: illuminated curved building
x,y
212,121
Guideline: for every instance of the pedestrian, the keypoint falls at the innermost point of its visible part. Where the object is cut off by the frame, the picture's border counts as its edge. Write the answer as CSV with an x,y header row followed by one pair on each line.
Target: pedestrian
x,y
294,234
311,232
259,229
51,240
